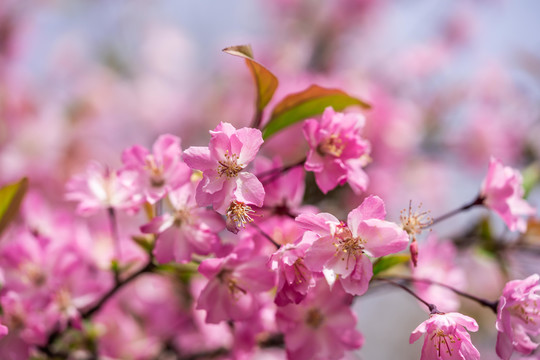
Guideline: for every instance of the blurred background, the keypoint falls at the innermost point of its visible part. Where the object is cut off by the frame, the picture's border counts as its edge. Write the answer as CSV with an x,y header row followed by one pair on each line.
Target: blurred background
x,y
451,84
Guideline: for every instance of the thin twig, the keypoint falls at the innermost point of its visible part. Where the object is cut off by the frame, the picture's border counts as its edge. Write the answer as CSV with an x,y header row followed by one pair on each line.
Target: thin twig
x,y
432,308
490,304
478,201
263,233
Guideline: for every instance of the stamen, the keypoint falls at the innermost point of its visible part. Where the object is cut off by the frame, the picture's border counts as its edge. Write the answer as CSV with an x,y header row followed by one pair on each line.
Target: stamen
x,y
238,215
314,318
229,167
156,172
332,145
346,244
413,222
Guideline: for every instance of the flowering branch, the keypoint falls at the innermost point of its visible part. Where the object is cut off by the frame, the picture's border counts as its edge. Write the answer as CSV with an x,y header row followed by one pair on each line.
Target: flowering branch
x,y
149,267
46,349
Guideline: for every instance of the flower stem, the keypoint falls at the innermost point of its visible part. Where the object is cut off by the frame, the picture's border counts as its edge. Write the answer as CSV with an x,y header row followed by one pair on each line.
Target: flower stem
x,y
478,201
114,231
263,233
273,174
432,308
490,304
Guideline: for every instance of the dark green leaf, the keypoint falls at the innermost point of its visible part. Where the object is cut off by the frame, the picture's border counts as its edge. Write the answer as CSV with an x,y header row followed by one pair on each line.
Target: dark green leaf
x,y
305,104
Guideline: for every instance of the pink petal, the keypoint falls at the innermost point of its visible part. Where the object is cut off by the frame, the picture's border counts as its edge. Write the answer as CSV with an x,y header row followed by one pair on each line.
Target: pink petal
x,y
319,223
249,189
220,144
198,157
164,248
356,176
135,156
334,173
314,162
251,140
320,252
158,224
468,322
418,332
358,282
311,132
382,237
371,208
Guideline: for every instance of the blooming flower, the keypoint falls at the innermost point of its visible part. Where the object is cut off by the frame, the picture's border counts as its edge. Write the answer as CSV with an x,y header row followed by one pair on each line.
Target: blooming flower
x,y
446,337
518,316
437,262
100,188
337,152
341,248
223,163
502,192
294,278
320,327
189,229
158,172
234,281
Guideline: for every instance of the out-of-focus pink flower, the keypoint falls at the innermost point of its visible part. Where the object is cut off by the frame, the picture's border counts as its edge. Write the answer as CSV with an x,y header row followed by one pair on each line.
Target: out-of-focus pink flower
x,y
436,262
502,191
158,172
223,163
337,151
284,191
320,327
189,229
294,278
234,281
341,248
447,337
518,316
99,188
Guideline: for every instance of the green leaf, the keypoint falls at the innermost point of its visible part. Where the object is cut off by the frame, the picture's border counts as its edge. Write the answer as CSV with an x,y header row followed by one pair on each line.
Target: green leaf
x,y
389,261
308,103
11,197
266,83
531,177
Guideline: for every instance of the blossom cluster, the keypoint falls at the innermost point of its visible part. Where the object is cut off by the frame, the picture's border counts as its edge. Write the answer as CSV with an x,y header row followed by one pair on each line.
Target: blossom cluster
x,y
281,268
149,211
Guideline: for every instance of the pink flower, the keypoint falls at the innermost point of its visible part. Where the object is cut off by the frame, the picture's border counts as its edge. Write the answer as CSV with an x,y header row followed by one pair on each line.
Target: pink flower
x,y
223,163
158,172
189,229
437,262
518,316
294,278
99,188
337,152
320,327
340,248
502,191
446,337
233,285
